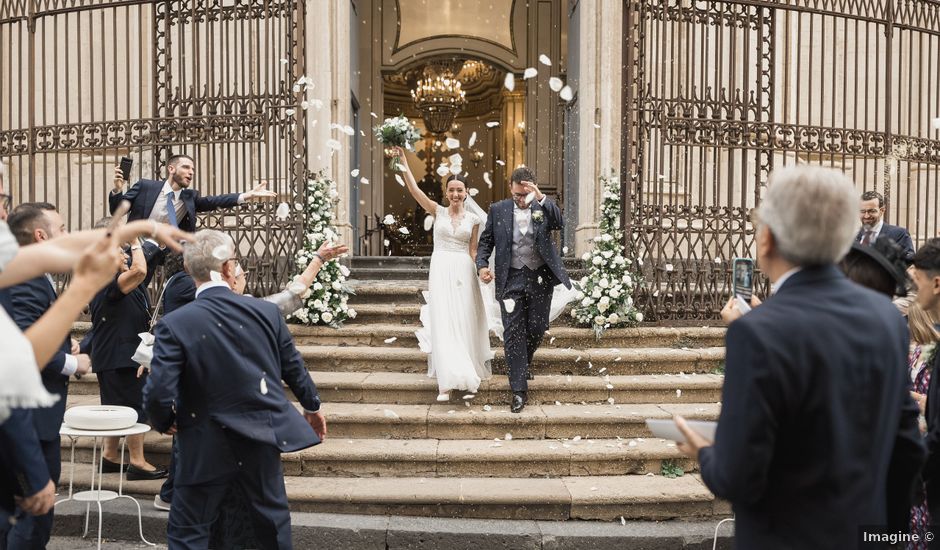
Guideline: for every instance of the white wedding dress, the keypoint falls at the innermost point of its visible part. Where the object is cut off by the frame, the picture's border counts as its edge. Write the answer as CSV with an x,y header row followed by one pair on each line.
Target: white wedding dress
x,y
454,328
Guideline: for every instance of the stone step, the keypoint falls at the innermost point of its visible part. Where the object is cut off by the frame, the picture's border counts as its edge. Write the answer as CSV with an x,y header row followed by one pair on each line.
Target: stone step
x,y
418,389
386,358
604,498
338,457
556,337
476,421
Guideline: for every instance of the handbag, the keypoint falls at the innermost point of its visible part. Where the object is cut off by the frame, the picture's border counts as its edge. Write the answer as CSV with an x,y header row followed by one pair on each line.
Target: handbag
x,y
143,355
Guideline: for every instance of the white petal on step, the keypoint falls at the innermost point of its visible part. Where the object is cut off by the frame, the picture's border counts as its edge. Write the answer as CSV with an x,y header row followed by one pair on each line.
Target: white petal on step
x,y
510,305
388,219
510,82
496,445
389,413
443,170
576,438
508,437
631,443
492,124
544,60
399,179
623,521
531,72
555,83
452,143
473,139
473,191
364,181
428,222
282,211
486,178
390,340
487,408
469,396
354,173
678,393
403,230
567,94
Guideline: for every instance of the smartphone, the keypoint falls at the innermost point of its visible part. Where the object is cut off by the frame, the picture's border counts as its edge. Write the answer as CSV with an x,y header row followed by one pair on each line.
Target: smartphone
x,y
126,164
742,270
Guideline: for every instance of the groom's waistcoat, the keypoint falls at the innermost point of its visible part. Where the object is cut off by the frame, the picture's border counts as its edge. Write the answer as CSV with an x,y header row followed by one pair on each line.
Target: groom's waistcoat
x,y
523,249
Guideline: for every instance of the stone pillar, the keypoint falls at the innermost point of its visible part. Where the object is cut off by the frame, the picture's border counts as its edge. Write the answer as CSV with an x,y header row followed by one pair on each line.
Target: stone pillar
x,y
599,109
513,124
326,49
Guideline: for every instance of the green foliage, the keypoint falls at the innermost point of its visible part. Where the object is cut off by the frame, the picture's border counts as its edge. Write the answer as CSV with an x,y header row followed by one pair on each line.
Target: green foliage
x,y
671,470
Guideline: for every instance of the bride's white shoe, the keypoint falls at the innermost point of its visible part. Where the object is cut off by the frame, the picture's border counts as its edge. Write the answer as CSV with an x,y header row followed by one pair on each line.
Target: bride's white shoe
x,y
443,396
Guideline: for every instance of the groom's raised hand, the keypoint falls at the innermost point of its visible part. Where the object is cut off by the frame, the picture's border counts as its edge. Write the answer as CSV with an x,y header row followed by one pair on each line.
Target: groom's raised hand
x,y
486,275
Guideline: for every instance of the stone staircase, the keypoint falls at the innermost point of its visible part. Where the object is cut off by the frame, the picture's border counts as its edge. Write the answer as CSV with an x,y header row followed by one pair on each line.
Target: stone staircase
x,y
579,450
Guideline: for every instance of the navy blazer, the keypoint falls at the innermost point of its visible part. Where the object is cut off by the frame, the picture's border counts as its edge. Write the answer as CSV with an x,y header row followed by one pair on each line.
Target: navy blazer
x,y
178,291
897,234
145,193
817,433
117,319
210,358
23,469
498,234
29,301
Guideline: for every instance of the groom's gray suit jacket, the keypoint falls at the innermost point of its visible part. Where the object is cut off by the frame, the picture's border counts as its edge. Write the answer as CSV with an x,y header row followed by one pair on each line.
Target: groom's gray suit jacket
x,y
499,234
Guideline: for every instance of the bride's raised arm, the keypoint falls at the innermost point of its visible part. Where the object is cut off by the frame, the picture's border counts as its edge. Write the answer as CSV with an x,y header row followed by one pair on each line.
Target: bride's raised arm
x,y
416,192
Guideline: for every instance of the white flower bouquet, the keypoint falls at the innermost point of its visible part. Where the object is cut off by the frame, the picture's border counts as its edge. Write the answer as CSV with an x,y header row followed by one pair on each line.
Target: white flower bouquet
x,y
397,132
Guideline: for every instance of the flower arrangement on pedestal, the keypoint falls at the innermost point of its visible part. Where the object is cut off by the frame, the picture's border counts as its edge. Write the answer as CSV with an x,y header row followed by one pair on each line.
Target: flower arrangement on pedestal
x,y
326,304
605,294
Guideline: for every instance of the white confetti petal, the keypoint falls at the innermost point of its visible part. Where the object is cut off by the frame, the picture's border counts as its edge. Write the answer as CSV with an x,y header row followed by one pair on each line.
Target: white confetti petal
x,y
936,123
403,230
678,393
668,267
576,438
443,170
304,105
283,210
508,437
349,130
333,144
452,143
510,82
555,83
564,250
388,219
428,223
284,62
567,94
374,115
510,305
455,159
487,408
364,181
473,139
501,163
318,104
399,179
544,60
530,197
391,340
531,72
596,125
492,124
456,169
486,178
354,173
264,387
623,521
473,191
389,413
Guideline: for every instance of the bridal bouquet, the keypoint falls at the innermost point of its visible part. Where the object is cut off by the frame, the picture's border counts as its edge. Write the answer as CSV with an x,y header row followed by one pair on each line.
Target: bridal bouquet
x,y
396,132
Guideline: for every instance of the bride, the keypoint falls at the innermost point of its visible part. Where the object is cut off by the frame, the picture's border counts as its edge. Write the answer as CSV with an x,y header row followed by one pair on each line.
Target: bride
x,y
454,331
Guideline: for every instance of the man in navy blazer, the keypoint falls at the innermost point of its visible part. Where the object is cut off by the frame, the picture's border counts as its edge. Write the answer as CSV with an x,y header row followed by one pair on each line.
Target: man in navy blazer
x,y
872,210
28,301
527,269
172,201
215,381
818,433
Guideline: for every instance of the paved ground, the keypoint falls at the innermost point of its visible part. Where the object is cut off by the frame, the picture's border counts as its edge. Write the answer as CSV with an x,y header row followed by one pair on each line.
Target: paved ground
x,y
75,543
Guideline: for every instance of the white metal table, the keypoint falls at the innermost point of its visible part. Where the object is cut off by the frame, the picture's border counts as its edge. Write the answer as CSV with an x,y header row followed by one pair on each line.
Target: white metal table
x,y
97,462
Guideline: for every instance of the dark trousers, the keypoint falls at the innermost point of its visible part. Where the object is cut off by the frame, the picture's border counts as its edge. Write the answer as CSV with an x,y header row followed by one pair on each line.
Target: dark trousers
x,y
166,491
33,532
525,325
259,474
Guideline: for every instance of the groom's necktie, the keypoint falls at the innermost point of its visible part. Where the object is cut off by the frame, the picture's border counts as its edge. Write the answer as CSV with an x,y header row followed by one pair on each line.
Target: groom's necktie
x,y
171,209
866,240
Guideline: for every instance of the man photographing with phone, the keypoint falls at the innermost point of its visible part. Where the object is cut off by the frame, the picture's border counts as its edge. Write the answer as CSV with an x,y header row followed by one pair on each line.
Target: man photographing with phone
x,y
818,433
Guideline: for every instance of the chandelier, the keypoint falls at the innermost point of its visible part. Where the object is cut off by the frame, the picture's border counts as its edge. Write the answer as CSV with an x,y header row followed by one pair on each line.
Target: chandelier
x,y
439,97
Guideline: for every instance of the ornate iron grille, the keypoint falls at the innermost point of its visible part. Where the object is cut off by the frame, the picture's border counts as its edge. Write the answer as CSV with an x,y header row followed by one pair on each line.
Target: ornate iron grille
x,y
84,82
718,93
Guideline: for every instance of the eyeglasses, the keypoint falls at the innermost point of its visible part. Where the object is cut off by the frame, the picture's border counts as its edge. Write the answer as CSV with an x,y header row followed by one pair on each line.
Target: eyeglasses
x,y
7,201
520,195
870,211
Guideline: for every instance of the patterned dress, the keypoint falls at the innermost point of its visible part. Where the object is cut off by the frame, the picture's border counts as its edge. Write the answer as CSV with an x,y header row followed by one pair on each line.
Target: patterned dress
x,y
918,363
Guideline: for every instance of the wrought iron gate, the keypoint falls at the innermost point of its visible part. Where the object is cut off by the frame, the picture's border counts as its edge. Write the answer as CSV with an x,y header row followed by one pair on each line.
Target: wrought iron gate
x,y
718,93
84,82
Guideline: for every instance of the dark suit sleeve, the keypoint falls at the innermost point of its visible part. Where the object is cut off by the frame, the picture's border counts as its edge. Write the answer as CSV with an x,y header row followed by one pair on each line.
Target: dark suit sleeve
x,y
735,467
293,370
30,301
485,246
162,387
906,243
206,204
553,215
87,342
114,199
21,453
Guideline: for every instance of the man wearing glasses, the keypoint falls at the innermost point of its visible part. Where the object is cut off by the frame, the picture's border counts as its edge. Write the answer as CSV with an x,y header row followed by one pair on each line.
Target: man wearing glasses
x,y
873,226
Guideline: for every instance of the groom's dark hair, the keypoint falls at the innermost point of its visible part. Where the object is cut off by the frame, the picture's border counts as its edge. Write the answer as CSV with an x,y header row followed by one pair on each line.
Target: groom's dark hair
x,y
521,174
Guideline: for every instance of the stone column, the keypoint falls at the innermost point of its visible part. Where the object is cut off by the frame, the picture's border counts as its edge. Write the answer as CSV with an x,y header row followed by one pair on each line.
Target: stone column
x,y
599,109
513,124
326,49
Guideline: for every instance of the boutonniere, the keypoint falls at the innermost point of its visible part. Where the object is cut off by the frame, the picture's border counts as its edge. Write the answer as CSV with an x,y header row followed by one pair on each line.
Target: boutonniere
x,y
538,216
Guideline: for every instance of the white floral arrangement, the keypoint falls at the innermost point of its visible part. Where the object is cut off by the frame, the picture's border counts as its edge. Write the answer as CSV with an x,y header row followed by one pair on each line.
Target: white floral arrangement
x,y
397,132
605,294
326,304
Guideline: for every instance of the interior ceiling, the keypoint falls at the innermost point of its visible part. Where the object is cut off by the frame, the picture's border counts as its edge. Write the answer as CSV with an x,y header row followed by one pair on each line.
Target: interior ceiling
x,y
481,81
423,19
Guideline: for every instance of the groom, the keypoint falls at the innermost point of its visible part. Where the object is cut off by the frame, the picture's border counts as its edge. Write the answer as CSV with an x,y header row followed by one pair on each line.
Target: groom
x,y
527,270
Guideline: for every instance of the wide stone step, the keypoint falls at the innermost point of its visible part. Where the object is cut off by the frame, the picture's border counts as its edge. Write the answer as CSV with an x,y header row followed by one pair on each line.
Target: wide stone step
x,y
591,361
476,421
605,498
418,389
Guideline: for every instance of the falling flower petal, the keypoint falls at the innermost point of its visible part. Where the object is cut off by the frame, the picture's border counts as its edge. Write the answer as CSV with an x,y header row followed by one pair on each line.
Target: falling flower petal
x,y
304,105
531,72
364,181
403,230
473,139
399,179
388,219
374,115
333,144
530,197
443,170
284,62
668,267
486,178
289,112
544,60
456,169
390,340
455,159
452,143
492,124
567,94
264,387
282,211
508,437
428,223
622,521
678,393
354,173
473,191
510,305
936,123
596,125
576,438
564,250
501,163
510,82
389,413
349,130
555,83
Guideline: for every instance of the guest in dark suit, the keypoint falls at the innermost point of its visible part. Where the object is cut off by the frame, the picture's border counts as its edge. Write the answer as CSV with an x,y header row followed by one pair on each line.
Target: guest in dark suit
x,y
28,301
873,225
527,269
216,378
818,432
172,201
120,312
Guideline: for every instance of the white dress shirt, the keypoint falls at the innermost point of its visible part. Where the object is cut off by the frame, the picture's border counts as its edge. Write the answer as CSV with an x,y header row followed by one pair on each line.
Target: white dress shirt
x,y
875,231
159,213
523,217
211,284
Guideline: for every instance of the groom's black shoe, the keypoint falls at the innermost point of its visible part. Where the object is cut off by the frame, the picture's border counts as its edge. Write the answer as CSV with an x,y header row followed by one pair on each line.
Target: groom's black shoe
x,y
518,401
